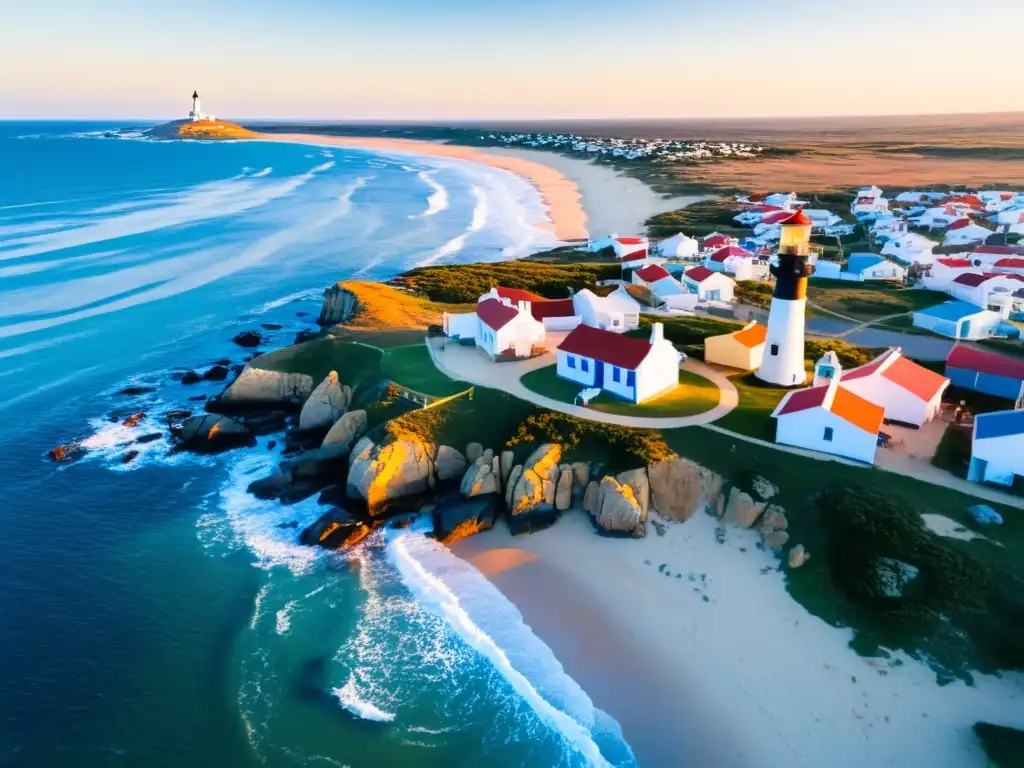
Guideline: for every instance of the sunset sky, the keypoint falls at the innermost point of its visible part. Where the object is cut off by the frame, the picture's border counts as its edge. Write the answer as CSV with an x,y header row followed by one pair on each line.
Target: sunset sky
x,y
442,59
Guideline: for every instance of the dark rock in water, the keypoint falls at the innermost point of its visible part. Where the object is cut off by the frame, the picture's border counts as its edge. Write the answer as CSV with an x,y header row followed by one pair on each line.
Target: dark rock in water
x,y
289,524
402,521
333,496
306,335
225,362
134,419
217,373
328,461
137,390
152,436
302,314
271,445
197,398
211,433
268,487
271,326
129,457
336,529
173,416
191,377
68,452
237,369
467,517
266,423
248,339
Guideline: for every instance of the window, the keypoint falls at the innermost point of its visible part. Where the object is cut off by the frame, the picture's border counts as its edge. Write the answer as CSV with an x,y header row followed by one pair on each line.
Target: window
x,y
775,350
825,371
584,364
615,374
631,378
828,434
571,361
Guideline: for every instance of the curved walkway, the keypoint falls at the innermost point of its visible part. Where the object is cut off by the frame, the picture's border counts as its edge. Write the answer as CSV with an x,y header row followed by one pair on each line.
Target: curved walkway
x,y
471,365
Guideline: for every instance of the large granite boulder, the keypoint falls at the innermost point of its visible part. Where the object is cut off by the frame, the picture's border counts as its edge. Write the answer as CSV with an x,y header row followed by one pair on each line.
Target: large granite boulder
x,y
474,451
326,461
776,539
401,469
590,497
741,510
616,510
258,388
325,405
449,464
563,489
798,556
467,517
637,480
680,487
347,429
339,306
480,479
532,497
336,529
510,486
211,433
580,478
506,461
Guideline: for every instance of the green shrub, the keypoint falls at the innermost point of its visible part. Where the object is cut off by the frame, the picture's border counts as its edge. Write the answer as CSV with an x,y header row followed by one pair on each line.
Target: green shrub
x,y
621,447
465,283
849,355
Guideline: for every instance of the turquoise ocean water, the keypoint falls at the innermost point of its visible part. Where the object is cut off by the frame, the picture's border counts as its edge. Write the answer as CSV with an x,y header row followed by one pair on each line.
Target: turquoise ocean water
x,y
154,614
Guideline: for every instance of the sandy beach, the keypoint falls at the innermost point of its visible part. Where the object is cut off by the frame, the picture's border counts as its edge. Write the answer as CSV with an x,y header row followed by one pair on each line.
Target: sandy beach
x,y
699,652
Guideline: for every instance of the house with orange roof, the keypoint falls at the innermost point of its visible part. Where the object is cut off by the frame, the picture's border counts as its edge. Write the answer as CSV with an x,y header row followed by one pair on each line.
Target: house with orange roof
x,y
742,349
909,393
830,419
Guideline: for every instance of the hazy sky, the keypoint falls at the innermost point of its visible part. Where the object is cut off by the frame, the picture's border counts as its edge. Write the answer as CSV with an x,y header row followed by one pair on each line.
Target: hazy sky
x,y
435,59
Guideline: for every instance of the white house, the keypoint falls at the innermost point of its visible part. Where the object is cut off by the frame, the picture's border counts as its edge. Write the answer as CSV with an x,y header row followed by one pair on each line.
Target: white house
x,y
978,287
820,218
715,241
943,216
618,311
909,393
888,227
830,419
916,196
1010,216
997,448
869,266
628,246
871,191
987,255
739,262
959,320
709,285
501,326
601,243
911,248
865,207
1013,265
678,246
945,270
964,232
785,200
634,369
555,314
658,279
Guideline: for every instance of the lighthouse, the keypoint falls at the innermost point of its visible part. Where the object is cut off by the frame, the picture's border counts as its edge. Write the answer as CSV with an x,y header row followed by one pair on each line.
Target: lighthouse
x,y
783,361
195,114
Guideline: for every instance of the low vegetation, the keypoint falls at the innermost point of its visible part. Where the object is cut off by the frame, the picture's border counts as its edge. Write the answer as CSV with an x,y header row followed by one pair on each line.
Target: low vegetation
x,y
954,451
386,308
614,446
465,283
698,219
869,302
688,333
412,367
1004,747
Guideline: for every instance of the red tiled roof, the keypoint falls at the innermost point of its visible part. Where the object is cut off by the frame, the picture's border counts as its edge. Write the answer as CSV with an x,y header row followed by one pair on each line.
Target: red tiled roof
x,y
635,255
517,294
798,219
552,308
804,399
968,199
865,201
652,273
764,208
1006,195
973,359
960,224
776,218
495,314
732,250
998,250
974,279
914,378
630,240
716,240
867,369
606,346
1012,263
699,274
955,263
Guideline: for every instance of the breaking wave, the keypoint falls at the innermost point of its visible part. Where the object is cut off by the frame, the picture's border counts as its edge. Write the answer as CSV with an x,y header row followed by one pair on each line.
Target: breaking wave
x,y
438,199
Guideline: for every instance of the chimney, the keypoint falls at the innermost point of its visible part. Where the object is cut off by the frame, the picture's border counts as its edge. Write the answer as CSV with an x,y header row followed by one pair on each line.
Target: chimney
x,y
657,333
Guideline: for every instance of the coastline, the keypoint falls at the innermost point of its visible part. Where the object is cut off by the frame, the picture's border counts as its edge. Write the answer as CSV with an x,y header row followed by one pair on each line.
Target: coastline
x,y
720,665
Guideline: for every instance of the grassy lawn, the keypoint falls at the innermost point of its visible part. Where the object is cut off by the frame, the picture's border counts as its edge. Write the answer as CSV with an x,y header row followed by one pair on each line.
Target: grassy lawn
x,y
694,395
753,413
412,367
869,302
356,364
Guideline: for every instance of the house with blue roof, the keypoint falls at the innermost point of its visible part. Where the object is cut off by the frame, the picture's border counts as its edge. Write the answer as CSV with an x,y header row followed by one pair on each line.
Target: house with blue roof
x,y
959,320
997,448
859,267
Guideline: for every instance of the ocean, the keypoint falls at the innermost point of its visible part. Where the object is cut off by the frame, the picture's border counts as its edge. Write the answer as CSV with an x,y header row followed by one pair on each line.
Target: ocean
x,y
152,612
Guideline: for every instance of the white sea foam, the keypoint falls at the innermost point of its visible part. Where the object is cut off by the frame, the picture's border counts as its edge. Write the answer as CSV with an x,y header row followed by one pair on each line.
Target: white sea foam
x,y
46,265
284,618
454,590
456,244
261,174
26,348
257,607
349,698
438,199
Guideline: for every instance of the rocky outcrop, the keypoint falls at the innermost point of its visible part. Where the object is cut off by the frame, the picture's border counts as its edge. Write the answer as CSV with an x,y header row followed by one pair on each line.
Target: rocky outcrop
x,y
327,403
774,518
211,433
68,452
133,420
636,479
339,306
776,540
532,497
510,485
347,429
590,497
258,388
473,452
216,373
764,489
481,479
505,464
563,488
336,529
741,510
248,339
383,474
680,487
798,556
616,511
461,519
580,479
893,576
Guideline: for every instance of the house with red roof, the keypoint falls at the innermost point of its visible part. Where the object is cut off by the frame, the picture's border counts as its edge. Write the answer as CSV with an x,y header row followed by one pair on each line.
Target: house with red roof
x,y
985,255
739,262
555,314
869,204
910,393
1013,265
830,419
988,372
945,270
629,246
708,284
635,369
965,232
980,287
714,241
658,279
504,327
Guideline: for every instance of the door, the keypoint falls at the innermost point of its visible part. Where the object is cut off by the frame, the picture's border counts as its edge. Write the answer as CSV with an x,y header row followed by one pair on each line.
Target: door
x,y
598,374
965,330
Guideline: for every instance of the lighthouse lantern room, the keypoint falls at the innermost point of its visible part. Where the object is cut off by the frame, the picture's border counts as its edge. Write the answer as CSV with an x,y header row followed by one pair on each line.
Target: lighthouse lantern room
x,y
783,362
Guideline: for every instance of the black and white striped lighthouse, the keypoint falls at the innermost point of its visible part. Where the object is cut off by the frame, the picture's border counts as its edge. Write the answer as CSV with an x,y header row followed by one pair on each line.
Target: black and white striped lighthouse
x,y
783,361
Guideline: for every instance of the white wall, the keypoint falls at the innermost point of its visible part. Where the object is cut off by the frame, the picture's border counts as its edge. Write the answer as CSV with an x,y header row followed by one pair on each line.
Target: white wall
x,y
576,374
717,282
464,325
786,320
658,372
899,404
806,429
1005,457
561,323
619,387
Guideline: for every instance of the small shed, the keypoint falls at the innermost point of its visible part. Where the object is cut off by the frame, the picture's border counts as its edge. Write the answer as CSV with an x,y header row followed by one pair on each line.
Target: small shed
x,y
997,448
958,320
741,349
987,372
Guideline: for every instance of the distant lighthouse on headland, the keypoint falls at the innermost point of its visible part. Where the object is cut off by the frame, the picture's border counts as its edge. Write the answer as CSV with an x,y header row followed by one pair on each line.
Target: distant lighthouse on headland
x,y
196,114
